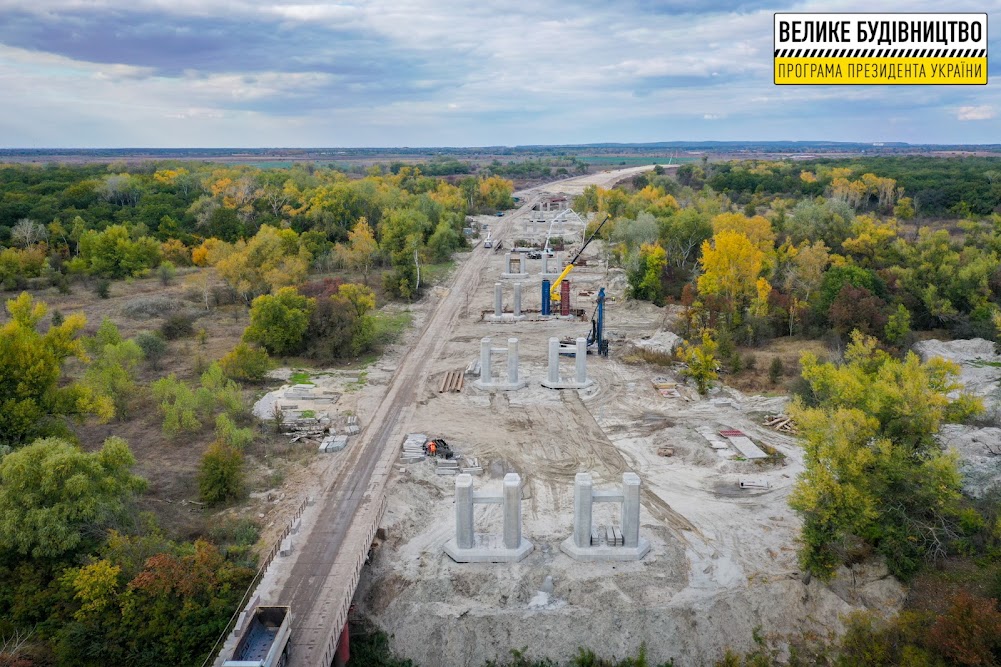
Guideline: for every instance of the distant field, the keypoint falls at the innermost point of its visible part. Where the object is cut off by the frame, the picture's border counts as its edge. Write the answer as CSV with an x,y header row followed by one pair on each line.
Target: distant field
x,y
631,161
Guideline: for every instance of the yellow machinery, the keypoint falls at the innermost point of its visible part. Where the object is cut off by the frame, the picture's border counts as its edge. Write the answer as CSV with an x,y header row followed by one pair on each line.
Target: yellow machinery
x,y
554,290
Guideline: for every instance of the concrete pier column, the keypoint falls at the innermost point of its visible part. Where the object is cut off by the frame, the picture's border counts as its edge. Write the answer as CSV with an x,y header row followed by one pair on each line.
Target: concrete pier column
x,y
485,360
512,360
464,511
522,264
498,300
582,487
517,300
512,510
545,263
581,359
507,263
554,360
630,509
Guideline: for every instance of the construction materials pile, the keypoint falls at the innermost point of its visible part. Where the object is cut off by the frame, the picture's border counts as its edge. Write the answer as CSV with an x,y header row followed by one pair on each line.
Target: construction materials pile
x,y
782,423
333,443
666,387
413,448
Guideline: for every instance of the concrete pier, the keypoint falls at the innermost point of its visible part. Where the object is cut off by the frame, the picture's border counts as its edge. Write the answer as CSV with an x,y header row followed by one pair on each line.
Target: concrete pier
x,y
464,511
487,382
582,486
512,361
499,315
512,511
630,509
547,271
554,361
580,545
580,380
509,272
485,374
466,546
498,300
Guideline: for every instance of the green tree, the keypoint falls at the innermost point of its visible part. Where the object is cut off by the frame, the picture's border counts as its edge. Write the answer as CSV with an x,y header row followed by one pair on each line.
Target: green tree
x,y
33,398
875,475
56,500
279,322
220,476
113,253
247,363
112,371
701,363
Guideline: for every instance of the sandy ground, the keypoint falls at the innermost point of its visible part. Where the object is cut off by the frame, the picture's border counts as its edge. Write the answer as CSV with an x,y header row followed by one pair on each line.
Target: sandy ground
x,y
723,561
978,446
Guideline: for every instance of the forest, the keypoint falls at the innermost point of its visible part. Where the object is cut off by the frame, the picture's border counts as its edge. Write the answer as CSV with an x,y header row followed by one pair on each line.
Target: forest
x,y
214,273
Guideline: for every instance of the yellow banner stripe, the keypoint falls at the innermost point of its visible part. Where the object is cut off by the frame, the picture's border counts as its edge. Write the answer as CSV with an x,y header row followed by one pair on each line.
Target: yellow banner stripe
x,y
880,71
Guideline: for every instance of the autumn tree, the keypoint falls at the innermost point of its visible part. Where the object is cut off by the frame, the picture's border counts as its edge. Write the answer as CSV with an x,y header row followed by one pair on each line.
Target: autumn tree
x,y
875,475
113,253
279,321
700,362
361,250
113,367
56,500
33,398
247,363
757,229
646,276
272,259
731,264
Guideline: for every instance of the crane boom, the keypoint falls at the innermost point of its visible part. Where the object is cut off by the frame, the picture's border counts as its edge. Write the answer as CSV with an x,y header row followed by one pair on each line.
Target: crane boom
x,y
554,290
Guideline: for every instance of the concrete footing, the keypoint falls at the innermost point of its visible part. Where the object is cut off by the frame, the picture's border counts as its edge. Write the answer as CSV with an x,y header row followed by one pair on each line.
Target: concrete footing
x,y
466,546
580,380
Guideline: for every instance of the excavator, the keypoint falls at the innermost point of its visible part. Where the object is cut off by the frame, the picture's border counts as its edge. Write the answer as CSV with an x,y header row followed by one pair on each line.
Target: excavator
x,y
554,290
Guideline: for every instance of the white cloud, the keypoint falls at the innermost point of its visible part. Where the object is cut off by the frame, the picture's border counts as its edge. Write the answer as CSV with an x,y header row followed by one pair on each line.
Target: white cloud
x,y
982,112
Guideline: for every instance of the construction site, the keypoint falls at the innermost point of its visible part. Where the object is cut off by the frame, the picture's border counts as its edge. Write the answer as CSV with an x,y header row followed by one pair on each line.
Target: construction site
x,y
546,489
722,556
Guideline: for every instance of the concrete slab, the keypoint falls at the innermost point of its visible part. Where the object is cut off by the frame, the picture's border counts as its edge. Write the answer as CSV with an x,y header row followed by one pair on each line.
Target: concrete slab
x,y
488,549
603,553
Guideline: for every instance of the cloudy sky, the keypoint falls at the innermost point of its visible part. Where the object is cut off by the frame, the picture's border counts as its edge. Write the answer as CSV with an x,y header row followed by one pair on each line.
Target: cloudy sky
x,y
172,73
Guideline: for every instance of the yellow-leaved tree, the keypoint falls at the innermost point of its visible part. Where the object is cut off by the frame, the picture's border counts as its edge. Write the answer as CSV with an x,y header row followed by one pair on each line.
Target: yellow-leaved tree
x,y
731,264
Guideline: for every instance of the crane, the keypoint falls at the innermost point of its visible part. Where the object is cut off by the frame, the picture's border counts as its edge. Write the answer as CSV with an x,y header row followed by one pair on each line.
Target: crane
x,y
554,290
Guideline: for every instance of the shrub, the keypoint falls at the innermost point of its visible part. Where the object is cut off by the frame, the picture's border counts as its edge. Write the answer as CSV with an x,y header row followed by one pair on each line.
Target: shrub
x,y
220,476
279,322
102,288
775,370
247,363
150,306
178,325
230,434
166,272
153,347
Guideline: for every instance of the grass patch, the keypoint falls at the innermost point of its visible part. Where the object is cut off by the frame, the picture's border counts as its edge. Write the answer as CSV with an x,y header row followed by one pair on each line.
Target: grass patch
x,y
299,377
389,326
980,363
308,414
435,274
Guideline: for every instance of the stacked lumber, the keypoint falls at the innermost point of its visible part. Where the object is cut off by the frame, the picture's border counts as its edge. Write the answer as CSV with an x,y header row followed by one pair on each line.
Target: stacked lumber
x,y
452,382
472,467
665,387
783,423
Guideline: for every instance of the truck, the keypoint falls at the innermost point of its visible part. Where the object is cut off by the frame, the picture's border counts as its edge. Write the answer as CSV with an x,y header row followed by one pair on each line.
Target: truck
x,y
265,638
488,242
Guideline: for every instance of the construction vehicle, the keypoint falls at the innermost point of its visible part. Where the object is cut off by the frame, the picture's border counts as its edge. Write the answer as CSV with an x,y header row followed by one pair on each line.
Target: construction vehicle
x,y
265,638
554,289
597,336
488,242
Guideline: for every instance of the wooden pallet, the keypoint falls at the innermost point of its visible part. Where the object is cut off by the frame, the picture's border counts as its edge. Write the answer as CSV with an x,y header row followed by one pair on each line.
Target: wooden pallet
x,y
452,381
